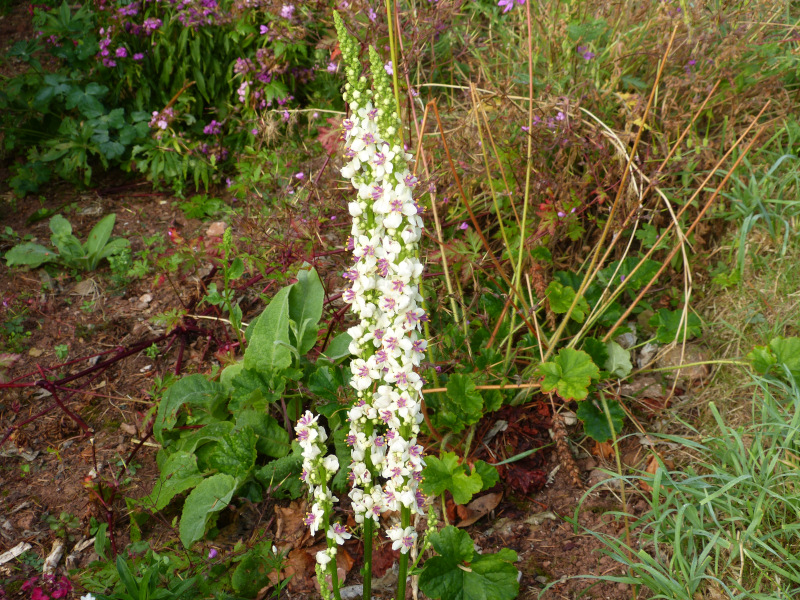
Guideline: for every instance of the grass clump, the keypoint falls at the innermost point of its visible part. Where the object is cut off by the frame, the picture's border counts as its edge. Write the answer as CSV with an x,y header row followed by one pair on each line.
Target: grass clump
x,y
728,523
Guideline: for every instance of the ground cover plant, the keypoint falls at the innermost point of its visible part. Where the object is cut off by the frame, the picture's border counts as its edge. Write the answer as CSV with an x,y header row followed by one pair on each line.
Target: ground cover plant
x,y
592,189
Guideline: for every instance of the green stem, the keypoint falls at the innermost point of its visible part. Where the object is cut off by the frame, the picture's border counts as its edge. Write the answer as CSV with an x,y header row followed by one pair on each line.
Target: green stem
x,y
405,520
334,578
366,572
393,52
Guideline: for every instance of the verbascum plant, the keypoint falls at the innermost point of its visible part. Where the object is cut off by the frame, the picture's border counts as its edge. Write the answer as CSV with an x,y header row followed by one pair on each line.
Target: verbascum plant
x,y
387,346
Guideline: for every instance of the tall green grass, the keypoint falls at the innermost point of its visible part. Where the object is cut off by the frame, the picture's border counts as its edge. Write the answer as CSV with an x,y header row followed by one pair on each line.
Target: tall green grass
x,y
727,524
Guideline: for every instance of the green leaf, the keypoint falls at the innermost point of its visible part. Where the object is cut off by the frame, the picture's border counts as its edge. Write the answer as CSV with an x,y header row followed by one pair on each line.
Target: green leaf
x,y
272,439
339,347
283,474
488,474
569,374
29,255
465,401
69,247
236,269
787,352
484,577
446,474
305,308
190,442
596,349
595,422
254,389
195,390
268,350
210,496
762,359
618,362
561,298
250,575
668,324
98,237
234,454
178,474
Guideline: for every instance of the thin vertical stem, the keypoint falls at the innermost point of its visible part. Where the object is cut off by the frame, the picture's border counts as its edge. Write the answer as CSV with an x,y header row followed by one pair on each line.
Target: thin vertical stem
x,y
366,571
405,520
393,52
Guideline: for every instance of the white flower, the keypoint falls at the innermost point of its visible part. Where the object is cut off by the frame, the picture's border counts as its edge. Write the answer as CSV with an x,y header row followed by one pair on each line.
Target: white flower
x,y
331,463
338,533
87,597
323,558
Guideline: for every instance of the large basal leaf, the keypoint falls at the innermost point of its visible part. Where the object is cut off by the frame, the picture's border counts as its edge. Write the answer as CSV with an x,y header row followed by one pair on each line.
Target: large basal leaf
x,y
190,442
458,573
447,474
254,389
272,439
210,496
339,347
570,373
268,350
98,237
305,308
29,255
178,474
595,421
195,390
234,454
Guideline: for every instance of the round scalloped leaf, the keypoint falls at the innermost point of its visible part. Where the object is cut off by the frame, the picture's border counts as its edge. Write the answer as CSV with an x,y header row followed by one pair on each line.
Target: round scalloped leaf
x,y
570,373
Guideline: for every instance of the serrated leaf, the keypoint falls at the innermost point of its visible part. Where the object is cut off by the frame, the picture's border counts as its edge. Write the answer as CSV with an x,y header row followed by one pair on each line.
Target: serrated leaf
x,y
668,325
210,496
762,359
595,422
464,401
178,474
618,362
561,298
234,454
569,374
787,352
446,474
268,350
596,349
488,473
484,577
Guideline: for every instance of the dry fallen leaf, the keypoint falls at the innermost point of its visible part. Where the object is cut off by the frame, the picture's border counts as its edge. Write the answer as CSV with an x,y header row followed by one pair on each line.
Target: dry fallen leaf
x,y
479,508
290,531
603,449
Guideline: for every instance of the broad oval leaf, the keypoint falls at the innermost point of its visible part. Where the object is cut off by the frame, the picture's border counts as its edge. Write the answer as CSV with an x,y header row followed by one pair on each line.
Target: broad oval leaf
x,y
210,496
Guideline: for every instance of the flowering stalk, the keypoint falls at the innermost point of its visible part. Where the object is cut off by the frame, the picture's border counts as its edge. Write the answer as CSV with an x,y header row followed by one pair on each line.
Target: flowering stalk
x,y
387,462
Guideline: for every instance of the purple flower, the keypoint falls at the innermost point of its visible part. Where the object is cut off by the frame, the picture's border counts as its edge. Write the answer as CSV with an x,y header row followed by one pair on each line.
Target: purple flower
x,y
388,68
213,128
562,214
121,52
300,175
212,553
463,226
287,11
507,5
109,63
372,14
263,30
332,66
138,56
560,116
150,25
525,128
585,52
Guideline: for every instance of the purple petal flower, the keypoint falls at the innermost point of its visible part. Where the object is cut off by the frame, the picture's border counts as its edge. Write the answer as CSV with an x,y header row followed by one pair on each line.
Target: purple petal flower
x,y
388,68
463,226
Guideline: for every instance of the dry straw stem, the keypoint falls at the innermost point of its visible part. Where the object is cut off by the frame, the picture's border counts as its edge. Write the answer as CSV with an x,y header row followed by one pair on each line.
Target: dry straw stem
x,y
699,215
595,257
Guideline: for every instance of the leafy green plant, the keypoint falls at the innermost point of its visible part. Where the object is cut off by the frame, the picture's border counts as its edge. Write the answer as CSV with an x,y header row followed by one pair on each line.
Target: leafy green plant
x,y
220,439
70,251
458,572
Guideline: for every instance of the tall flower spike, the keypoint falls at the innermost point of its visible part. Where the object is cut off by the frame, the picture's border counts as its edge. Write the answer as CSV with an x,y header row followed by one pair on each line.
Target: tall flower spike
x,y
349,46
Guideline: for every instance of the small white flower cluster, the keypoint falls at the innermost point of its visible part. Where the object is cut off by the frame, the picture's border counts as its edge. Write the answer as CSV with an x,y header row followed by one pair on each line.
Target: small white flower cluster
x,y
318,469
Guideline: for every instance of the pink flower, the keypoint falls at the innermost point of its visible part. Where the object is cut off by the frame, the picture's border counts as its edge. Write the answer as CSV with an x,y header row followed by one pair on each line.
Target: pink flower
x,y
463,226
